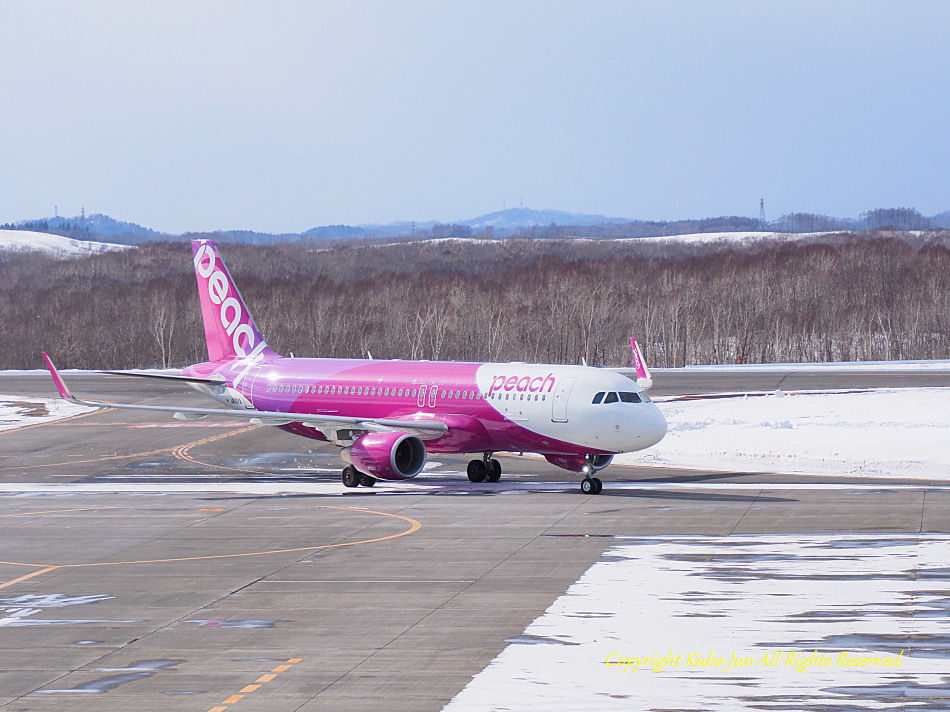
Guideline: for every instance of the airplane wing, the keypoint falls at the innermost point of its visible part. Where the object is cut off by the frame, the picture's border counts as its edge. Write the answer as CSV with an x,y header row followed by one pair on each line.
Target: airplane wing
x,y
329,425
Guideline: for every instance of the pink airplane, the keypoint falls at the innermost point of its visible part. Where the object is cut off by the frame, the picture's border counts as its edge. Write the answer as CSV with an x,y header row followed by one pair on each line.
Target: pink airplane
x,y
386,416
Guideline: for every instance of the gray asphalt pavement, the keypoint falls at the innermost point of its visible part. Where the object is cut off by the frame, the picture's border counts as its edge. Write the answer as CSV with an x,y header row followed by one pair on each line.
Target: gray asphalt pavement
x,y
193,566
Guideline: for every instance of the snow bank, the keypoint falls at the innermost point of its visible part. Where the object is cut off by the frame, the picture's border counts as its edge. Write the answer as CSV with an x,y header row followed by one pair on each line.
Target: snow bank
x,y
901,433
53,244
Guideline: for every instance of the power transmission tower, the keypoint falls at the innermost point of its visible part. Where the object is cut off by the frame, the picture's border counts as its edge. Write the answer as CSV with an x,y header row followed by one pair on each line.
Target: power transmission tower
x,y
762,211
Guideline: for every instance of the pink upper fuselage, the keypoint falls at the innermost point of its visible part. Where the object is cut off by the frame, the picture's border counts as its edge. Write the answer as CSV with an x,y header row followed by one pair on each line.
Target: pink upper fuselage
x,y
480,403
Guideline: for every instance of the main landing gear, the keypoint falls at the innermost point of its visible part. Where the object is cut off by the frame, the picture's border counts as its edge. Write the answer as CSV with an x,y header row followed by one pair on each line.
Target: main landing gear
x,y
354,478
590,485
487,469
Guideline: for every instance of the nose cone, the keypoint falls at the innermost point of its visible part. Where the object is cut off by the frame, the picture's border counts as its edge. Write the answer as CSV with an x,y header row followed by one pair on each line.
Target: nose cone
x,y
651,427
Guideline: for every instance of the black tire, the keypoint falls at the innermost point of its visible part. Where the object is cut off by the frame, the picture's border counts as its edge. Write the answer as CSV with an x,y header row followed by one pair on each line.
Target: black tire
x,y
477,471
367,480
598,485
493,470
351,476
587,486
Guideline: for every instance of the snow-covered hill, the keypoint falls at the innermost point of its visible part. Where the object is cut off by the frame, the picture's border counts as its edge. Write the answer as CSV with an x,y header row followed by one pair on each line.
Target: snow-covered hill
x,y
52,244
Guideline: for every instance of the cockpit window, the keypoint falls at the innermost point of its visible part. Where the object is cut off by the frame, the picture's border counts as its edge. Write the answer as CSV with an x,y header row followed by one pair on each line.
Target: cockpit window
x,y
611,398
629,397
598,398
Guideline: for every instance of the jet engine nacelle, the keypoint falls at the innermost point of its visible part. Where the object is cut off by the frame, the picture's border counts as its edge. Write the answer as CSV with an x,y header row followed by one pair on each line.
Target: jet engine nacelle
x,y
388,456
575,463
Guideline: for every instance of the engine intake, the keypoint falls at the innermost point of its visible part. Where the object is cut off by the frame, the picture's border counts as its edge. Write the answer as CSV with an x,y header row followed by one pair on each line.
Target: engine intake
x,y
388,456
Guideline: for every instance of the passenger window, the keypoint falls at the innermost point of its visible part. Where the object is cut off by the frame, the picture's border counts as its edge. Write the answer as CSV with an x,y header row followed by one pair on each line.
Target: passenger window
x,y
628,397
598,398
611,398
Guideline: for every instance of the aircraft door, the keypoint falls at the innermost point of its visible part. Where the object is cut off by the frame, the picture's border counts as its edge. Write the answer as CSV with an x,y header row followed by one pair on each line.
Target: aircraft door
x,y
433,392
562,391
421,402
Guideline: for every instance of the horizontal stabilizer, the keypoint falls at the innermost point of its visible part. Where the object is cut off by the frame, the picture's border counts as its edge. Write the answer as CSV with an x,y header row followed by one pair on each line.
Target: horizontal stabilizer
x,y
169,377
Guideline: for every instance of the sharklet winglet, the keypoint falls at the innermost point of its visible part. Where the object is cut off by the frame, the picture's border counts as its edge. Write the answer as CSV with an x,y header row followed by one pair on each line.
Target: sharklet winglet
x,y
57,379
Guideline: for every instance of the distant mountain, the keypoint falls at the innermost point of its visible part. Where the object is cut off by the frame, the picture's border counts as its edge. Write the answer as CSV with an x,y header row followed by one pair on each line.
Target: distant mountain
x,y
88,228
503,223
941,220
334,232
513,219
96,224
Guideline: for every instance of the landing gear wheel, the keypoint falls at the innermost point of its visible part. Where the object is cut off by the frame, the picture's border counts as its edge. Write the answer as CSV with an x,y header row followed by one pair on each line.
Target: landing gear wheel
x,y
591,485
494,470
477,472
367,480
351,476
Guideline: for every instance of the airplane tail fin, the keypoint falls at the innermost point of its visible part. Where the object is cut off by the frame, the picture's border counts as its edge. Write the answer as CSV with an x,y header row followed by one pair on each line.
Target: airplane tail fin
x,y
644,380
229,329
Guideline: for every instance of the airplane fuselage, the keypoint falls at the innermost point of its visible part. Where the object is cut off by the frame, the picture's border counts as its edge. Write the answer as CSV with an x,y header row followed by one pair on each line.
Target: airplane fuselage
x,y
544,408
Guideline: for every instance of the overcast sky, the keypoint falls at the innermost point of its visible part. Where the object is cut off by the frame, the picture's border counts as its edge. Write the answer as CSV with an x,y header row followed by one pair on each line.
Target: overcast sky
x,y
279,116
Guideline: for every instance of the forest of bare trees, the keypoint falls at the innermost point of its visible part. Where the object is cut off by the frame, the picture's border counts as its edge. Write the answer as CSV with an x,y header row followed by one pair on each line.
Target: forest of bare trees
x,y
877,296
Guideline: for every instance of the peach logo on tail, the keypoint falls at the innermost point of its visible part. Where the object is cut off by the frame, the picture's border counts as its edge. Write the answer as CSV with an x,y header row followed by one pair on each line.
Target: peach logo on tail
x,y
230,309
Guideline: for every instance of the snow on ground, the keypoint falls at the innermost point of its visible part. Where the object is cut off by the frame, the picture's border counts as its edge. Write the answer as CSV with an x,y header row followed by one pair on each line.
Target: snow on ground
x,y
742,237
881,433
53,244
907,365
781,622
17,412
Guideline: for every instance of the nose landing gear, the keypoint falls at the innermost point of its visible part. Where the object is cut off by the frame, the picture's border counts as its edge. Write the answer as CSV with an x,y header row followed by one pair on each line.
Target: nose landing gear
x,y
590,485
